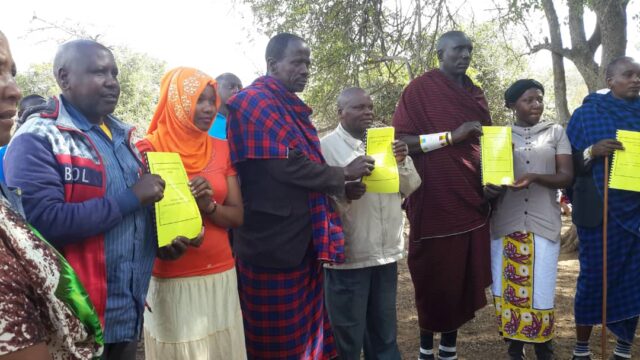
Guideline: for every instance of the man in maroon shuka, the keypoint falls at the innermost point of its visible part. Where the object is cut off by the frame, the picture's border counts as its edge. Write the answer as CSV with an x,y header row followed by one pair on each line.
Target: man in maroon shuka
x,y
440,116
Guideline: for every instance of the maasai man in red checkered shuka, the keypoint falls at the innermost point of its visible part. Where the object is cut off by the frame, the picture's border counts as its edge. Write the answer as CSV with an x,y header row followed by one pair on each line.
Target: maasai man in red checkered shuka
x,y
289,227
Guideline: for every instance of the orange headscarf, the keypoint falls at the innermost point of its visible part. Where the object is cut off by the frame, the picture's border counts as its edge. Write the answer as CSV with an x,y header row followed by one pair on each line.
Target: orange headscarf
x,y
172,128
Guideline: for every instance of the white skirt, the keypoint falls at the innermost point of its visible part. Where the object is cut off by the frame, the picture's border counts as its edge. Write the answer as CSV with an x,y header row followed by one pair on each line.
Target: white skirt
x,y
524,269
195,318
545,270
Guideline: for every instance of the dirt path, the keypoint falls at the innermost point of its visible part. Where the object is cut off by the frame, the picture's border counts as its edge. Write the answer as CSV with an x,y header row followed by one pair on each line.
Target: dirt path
x,y
479,340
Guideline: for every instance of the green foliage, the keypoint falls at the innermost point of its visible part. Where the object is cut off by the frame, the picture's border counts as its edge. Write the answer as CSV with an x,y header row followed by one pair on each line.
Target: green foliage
x,y
37,79
494,68
366,43
345,37
139,84
139,77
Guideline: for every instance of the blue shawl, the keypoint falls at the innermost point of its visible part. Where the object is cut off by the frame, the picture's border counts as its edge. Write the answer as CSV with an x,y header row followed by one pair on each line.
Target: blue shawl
x,y
599,117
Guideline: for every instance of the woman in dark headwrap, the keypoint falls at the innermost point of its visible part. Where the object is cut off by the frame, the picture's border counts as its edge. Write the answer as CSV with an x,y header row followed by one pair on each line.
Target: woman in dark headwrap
x,y
525,225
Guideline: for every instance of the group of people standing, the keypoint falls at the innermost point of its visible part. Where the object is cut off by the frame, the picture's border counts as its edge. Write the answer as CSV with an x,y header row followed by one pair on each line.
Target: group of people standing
x,y
312,273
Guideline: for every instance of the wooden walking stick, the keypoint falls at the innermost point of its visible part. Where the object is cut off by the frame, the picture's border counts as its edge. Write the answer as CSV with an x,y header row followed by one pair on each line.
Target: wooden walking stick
x,y
605,207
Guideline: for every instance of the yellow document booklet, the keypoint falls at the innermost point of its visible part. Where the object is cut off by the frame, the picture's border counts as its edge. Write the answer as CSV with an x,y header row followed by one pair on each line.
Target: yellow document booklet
x,y
497,155
177,214
625,169
384,177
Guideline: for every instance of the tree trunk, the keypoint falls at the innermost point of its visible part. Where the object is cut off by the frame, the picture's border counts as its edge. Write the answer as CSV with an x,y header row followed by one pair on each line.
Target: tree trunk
x,y
569,236
559,79
612,17
610,33
583,51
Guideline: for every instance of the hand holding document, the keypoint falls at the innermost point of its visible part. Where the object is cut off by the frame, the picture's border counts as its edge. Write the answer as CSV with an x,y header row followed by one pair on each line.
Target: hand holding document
x,y
497,155
625,169
177,214
384,178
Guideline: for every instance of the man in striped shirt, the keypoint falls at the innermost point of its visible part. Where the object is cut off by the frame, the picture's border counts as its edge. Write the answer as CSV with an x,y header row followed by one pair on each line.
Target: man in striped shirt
x,y
83,189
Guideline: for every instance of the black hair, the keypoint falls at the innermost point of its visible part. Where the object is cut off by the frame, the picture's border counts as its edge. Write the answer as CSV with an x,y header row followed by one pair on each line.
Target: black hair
x,y
613,64
278,44
38,99
446,37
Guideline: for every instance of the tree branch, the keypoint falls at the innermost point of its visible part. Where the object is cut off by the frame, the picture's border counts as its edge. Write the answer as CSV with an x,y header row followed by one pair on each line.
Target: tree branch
x,y
385,59
564,52
596,38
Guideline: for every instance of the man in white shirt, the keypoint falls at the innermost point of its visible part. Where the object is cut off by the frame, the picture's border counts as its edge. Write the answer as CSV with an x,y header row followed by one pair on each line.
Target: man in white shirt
x,y
361,293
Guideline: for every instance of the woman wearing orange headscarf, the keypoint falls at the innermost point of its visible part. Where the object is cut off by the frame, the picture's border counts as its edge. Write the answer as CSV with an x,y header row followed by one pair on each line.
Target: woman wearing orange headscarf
x,y
194,306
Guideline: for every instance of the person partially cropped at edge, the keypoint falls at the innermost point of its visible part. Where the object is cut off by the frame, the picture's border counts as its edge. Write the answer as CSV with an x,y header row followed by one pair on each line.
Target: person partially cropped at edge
x,y
592,133
526,223
228,85
45,312
439,116
289,226
194,309
83,189
26,103
361,293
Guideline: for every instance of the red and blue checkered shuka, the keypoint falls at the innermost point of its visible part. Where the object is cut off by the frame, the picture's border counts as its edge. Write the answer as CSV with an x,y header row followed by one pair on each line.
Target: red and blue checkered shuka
x,y
265,121
283,309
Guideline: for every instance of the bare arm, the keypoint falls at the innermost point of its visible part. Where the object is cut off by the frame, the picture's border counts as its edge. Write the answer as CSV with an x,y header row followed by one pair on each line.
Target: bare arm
x,y
229,214
467,130
561,179
413,142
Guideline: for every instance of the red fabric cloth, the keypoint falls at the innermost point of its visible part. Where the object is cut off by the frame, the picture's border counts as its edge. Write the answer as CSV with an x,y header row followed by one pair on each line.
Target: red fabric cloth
x,y
265,121
450,199
284,313
450,275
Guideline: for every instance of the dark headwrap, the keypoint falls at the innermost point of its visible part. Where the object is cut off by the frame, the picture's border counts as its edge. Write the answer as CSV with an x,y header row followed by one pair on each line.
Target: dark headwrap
x,y
518,88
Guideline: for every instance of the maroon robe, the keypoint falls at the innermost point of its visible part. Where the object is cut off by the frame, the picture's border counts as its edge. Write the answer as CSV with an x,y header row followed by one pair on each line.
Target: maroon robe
x,y
449,253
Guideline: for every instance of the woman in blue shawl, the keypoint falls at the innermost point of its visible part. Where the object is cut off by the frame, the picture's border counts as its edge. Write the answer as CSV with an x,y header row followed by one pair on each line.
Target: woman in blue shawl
x,y
592,132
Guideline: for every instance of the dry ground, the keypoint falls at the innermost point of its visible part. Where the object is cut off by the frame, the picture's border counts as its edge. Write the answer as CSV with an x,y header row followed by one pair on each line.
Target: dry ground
x,y
478,339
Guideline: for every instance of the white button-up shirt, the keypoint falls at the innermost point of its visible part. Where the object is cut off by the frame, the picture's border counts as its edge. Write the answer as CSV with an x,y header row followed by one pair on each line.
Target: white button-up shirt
x,y
373,225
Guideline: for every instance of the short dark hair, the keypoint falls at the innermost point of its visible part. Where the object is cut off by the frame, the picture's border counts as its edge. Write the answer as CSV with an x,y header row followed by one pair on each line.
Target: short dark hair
x,y
41,105
613,64
30,101
278,44
72,50
226,76
444,38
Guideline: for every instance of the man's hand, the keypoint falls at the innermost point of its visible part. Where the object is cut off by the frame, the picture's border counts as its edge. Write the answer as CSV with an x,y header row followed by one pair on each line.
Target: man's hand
x,y
605,147
359,167
354,190
493,191
149,189
468,130
400,150
202,192
173,251
524,181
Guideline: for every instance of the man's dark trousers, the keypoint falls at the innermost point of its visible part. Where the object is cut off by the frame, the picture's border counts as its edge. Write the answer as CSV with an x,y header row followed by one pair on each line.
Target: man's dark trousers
x,y
362,309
